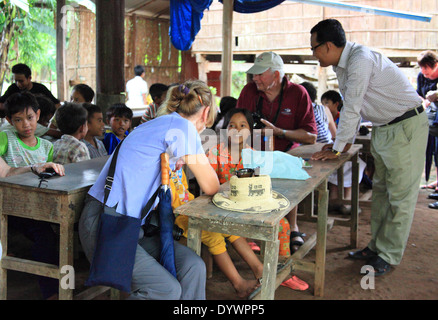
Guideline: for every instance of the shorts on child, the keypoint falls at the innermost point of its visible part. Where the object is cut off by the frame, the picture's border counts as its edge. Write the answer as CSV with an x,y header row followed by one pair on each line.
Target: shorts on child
x,y
213,240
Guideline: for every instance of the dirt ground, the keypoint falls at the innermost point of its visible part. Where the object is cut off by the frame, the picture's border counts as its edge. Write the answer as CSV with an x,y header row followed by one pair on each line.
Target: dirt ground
x,y
414,279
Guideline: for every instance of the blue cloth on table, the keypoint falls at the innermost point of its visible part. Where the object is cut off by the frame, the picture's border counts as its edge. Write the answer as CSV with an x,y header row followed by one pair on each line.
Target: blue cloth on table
x,y
276,164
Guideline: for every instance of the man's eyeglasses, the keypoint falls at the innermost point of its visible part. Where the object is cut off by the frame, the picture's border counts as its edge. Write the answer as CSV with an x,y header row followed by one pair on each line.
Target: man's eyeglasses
x,y
318,45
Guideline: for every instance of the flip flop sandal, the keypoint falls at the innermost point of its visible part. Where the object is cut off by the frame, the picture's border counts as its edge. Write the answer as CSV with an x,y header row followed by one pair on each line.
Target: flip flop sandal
x,y
428,186
294,234
295,283
254,246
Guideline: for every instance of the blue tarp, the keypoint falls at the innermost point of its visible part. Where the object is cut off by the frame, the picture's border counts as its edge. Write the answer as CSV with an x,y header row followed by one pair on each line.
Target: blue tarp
x,y
252,6
185,21
186,15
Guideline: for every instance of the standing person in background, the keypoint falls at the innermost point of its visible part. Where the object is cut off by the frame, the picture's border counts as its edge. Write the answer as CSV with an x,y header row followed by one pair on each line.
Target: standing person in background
x,y
375,89
137,90
427,81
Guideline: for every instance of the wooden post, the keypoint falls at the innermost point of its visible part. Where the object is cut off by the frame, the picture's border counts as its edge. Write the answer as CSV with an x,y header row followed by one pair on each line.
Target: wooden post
x,y
110,52
60,50
322,82
202,67
227,50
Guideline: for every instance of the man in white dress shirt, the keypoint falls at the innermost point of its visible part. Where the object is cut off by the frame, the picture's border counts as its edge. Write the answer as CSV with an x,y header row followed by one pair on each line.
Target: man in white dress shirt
x,y
137,90
374,88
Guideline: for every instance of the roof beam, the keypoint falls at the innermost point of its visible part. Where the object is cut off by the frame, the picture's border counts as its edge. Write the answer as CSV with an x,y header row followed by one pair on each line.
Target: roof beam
x,y
368,9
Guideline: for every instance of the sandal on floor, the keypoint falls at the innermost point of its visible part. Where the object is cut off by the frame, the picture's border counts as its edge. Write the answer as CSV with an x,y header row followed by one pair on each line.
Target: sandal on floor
x,y
294,234
254,246
295,284
427,186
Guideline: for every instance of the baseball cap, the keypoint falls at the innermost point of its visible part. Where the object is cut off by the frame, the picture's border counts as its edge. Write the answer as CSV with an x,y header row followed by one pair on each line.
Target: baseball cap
x,y
265,61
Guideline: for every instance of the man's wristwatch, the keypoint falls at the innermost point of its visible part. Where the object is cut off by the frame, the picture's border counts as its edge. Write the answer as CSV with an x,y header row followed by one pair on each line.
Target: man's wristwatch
x,y
337,153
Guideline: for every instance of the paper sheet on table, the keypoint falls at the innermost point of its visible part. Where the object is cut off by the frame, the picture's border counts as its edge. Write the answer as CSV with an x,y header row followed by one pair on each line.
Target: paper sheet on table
x,y
276,164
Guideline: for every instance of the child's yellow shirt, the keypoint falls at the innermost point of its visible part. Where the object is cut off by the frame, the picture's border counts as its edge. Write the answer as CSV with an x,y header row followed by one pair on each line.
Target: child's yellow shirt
x,y
179,188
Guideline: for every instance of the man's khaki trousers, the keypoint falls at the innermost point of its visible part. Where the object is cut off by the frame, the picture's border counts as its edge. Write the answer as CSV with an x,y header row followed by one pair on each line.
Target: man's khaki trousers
x,y
399,157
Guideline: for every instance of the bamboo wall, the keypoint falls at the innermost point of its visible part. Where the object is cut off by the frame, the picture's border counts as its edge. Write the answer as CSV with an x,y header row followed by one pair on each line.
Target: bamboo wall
x,y
146,43
285,28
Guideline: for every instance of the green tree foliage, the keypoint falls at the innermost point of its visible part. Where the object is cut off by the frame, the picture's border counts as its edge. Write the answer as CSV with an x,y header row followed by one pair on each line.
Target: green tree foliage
x,y
27,35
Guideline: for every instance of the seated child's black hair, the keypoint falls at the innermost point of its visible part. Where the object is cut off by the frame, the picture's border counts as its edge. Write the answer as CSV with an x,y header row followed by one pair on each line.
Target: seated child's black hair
x,y
334,97
311,90
20,101
70,117
85,91
46,106
227,103
91,109
245,112
157,89
119,110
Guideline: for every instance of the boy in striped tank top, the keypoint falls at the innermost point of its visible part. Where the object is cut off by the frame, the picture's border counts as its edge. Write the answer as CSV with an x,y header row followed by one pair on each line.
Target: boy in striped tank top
x,y
23,149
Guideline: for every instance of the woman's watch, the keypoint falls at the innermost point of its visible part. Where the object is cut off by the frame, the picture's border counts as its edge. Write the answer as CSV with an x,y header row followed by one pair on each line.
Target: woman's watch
x,y
337,153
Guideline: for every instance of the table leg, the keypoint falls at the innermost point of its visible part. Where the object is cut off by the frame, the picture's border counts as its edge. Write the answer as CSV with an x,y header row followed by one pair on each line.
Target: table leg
x,y
194,237
354,234
321,239
340,174
4,244
65,258
308,205
270,269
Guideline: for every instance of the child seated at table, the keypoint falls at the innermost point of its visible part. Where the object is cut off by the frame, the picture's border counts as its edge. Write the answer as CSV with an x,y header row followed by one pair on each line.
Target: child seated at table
x,y
96,129
80,93
47,110
158,94
19,149
227,159
72,121
119,118
239,124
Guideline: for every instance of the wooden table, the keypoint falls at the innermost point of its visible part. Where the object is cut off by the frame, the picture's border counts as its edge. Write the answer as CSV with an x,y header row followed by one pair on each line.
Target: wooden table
x,y
352,155
204,215
59,201
365,141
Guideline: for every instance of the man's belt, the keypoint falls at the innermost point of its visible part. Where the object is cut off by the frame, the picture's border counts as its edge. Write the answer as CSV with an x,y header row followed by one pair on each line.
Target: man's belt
x,y
406,115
